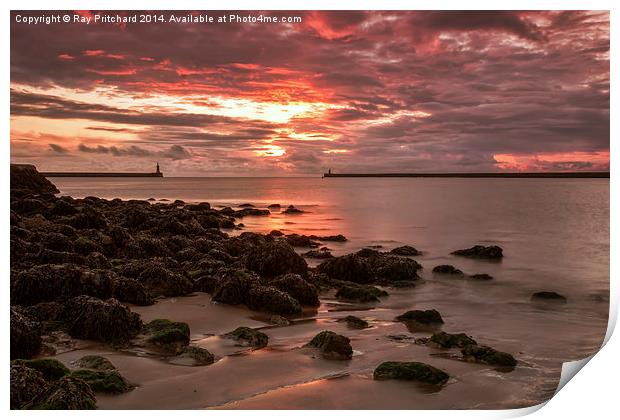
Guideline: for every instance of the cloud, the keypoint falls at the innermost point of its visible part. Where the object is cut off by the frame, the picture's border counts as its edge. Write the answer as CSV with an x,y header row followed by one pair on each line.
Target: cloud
x,y
174,152
58,149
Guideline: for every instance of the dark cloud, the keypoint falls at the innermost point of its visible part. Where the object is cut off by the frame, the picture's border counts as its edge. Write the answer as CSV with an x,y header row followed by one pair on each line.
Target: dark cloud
x,y
56,148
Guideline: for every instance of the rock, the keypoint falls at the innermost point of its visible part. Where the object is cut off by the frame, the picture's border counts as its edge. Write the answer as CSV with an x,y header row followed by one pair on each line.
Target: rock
x,y
50,369
350,268
298,288
56,242
26,383
354,322
292,210
301,241
329,238
168,336
481,276
332,346
233,285
318,254
430,316
410,371
198,207
94,362
62,208
85,246
146,247
132,291
88,218
46,283
390,269
273,206
68,393
200,356
447,340
479,251
489,355
104,381
246,205
275,258
548,296
270,299
248,337
359,293
276,233
25,335
279,320
97,260
26,179
447,269
406,250
161,281
108,321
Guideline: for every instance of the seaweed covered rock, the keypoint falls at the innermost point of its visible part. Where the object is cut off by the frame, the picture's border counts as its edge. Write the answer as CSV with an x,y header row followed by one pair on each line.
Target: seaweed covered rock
x,y
489,355
481,276
332,346
359,293
161,281
94,362
275,258
392,268
49,282
427,317
492,252
410,371
351,267
50,369
447,269
233,285
270,299
103,320
25,335
319,254
26,383
105,381
248,337
406,250
549,297
354,322
301,241
132,291
169,336
298,288
199,356
68,393
26,179
447,340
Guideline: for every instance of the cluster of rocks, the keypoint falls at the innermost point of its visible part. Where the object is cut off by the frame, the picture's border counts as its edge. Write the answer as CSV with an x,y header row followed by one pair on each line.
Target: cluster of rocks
x,y
47,384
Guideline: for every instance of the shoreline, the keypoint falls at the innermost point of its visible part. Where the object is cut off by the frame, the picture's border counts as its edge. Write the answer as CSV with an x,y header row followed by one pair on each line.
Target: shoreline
x,y
119,266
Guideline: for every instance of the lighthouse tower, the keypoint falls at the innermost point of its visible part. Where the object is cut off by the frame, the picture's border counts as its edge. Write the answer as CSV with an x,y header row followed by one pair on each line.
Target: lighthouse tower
x,y
157,170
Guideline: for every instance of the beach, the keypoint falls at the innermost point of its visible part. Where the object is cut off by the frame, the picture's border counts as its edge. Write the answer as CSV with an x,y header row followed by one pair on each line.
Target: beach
x,y
391,234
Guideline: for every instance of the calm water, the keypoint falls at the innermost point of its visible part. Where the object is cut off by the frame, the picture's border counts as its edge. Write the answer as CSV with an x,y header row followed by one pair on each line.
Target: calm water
x,y
555,236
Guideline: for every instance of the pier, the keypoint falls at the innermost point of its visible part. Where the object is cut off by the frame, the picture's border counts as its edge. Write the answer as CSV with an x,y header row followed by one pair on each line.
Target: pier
x,y
330,174
156,174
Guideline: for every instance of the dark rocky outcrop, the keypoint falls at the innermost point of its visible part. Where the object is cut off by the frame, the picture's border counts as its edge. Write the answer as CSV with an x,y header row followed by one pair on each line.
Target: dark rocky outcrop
x,y
298,288
103,320
132,291
168,336
50,369
447,269
26,383
359,293
354,322
271,299
107,381
159,280
248,337
427,317
481,276
332,346
292,210
233,285
548,297
350,268
406,250
318,254
275,258
446,340
410,371
488,355
68,393
25,179
25,335
492,252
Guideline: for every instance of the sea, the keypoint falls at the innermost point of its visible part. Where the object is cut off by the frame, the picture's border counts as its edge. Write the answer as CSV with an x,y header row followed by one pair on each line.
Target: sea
x,y
555,237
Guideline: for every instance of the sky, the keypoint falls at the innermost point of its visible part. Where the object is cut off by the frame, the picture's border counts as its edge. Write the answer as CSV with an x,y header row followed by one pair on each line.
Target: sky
x,y
355,91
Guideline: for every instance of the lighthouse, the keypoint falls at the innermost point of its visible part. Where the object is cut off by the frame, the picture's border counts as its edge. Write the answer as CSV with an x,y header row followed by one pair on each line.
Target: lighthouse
x,y
157,169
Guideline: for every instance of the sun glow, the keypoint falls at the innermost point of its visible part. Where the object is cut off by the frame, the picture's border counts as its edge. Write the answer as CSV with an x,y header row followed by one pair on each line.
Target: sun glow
x,y
270,150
